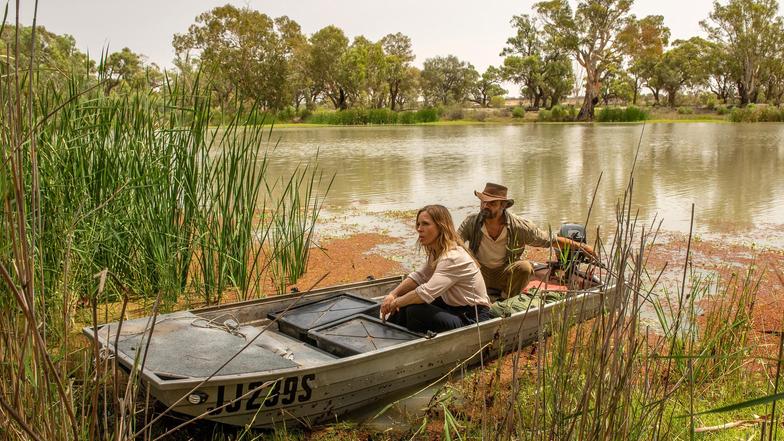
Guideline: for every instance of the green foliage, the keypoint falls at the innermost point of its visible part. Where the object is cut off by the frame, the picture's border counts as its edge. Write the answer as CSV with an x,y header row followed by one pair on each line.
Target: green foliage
x,y
428,114
622,114
536,62
372,116
558,113
246,52
723,109
588,32
407,118
382,116
757,113
497,101
685,111
518,112
285,114
447,80
745,32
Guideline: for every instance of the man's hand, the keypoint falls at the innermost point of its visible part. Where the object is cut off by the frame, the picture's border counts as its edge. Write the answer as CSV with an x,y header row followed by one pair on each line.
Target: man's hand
x,y
389,306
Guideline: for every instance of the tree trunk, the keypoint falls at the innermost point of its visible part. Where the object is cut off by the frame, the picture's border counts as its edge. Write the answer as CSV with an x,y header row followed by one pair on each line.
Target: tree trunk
x,y
591,96
394,88
671,98
341,105
743,93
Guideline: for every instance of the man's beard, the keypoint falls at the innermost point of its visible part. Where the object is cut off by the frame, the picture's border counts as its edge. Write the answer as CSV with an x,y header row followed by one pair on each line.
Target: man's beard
x,y
485,214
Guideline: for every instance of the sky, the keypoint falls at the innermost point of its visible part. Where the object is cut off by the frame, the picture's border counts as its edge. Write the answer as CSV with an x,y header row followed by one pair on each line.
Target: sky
x,y
474,31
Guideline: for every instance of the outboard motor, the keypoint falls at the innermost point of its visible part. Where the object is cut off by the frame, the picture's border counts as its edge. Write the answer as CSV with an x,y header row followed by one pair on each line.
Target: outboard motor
x,y
576,232
567,263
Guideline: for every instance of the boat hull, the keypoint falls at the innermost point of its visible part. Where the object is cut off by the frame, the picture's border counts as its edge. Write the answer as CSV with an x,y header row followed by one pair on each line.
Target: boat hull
x,y
307,395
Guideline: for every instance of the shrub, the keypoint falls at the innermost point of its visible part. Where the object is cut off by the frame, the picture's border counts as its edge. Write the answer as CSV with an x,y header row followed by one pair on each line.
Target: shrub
x,y
428,114
545,115
685,111
477,115
504,112
722,109
518,112
406,118
382,116
558,113
563,113
619,114
497,101
286,114
453,113
760,113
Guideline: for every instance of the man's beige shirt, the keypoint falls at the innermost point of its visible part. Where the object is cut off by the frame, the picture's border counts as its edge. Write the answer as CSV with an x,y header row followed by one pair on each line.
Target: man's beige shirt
x,y
492,253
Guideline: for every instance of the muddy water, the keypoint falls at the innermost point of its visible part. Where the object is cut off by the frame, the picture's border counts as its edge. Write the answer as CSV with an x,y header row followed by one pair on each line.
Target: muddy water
x,y
733,173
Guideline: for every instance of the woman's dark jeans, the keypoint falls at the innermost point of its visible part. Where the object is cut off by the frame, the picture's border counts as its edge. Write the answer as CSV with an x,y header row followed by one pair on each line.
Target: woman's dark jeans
x,y
438,316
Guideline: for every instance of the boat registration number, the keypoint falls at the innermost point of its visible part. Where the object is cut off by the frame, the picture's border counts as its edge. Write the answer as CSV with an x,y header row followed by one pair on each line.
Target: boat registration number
x,y
284,391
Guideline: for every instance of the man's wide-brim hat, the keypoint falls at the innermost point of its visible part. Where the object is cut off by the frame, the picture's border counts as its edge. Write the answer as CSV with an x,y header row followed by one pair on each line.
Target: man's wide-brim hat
x,y
494,192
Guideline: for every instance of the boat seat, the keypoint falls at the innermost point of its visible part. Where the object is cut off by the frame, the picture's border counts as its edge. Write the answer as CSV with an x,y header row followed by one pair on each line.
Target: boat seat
x,y
289,348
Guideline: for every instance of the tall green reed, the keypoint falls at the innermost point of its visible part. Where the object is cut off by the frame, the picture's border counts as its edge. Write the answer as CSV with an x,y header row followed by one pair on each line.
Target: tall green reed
x,y
123,197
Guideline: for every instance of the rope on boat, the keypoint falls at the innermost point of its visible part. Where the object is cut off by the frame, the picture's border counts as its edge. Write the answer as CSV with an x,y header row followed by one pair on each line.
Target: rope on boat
x,y
231,325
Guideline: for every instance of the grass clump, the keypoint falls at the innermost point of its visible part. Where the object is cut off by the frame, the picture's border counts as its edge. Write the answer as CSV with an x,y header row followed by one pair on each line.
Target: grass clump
x,y
355,117
621,114
518,112
558,113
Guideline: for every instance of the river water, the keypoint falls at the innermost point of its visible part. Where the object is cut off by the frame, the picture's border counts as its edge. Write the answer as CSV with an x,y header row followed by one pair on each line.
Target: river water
x,y
733,173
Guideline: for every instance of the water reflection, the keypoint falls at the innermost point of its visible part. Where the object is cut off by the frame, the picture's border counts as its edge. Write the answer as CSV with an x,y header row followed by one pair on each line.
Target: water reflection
x,y
734,173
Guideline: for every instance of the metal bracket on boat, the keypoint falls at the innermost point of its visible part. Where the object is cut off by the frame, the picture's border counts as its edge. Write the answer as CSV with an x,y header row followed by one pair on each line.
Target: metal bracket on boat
x,y
430,334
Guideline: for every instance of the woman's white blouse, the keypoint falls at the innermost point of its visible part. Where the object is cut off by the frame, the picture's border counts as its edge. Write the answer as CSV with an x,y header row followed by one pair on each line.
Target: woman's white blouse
x,y
456,278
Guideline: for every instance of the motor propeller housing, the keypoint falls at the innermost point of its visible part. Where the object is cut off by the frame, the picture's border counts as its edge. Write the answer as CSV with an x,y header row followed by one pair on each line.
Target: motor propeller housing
x,y
576,232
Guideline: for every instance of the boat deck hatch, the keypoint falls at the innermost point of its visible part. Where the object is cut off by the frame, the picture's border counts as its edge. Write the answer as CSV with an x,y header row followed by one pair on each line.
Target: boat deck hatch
x,y
359,334
297,321
182,346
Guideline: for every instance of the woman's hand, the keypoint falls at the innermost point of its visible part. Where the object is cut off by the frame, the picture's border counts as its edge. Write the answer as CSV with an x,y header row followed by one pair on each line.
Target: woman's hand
x,y
389,306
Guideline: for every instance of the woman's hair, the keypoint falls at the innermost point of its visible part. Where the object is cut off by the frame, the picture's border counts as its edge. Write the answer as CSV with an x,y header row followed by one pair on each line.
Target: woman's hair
x,y
447,236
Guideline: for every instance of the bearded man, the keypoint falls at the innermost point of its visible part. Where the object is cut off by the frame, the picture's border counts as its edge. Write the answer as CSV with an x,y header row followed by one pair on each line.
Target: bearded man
x,y
497,239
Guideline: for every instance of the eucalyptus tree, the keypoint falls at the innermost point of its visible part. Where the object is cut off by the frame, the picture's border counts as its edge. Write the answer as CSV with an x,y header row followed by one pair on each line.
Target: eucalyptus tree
x,y
542,69
747,30
617,84
398,58
244,47
642,42
773,73
327,47
589,33
487,86
409,91
362,74
56,56
446,80
681,66
128,70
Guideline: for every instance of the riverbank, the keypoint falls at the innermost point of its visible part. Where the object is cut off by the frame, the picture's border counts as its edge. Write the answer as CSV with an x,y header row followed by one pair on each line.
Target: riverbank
x,y
483,396
504,117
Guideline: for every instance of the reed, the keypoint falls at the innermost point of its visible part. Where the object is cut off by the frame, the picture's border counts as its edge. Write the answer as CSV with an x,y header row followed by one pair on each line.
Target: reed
x,y
111,199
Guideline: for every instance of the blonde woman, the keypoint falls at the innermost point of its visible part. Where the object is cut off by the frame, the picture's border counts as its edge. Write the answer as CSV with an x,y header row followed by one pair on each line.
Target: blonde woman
x,y
448,291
